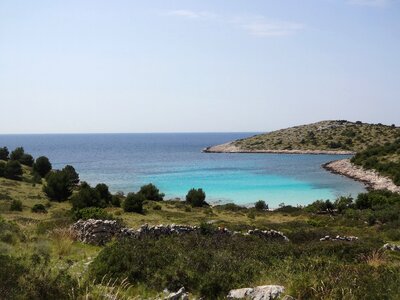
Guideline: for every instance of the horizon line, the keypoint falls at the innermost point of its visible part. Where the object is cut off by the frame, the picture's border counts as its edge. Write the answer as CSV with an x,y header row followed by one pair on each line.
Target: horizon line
x,y
152,132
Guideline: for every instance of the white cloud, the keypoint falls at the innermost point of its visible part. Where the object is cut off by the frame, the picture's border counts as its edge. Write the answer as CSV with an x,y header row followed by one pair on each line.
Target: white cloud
x,y
374,3
190,14
254,25
271,29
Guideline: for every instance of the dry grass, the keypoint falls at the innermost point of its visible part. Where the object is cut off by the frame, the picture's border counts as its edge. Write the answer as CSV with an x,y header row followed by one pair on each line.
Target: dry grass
x,y
63,239
376,258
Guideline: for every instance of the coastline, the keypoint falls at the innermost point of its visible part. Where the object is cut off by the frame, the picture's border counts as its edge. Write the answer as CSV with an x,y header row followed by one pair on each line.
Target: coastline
x,y
231,148
370,178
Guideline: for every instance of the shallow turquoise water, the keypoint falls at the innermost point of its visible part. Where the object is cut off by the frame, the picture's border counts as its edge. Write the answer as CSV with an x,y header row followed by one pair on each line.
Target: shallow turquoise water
x,y
175,163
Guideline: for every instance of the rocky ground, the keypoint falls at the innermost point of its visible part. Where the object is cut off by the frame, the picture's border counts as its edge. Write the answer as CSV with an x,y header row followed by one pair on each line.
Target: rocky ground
x,y
371,178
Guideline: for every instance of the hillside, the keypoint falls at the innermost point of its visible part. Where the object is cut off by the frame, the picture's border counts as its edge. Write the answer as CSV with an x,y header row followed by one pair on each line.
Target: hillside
x,y
383,158
340,137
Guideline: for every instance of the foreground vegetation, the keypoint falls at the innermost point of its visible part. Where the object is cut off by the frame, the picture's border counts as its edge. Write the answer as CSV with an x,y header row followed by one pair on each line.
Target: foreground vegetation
x,y
383,158
325,135
41,259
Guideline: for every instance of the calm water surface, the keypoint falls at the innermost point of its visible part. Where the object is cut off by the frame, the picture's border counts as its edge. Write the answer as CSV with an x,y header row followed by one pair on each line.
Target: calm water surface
x,y
175,163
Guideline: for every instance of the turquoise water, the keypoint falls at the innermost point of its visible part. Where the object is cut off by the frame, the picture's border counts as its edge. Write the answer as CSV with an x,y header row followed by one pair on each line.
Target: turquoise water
x,y
175,163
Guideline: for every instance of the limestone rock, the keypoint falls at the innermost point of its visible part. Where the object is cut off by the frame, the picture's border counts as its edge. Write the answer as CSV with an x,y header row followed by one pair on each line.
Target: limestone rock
x,y
264,292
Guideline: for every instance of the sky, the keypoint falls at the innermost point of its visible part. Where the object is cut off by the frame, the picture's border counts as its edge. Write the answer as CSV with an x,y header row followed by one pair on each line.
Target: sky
x,y
98,66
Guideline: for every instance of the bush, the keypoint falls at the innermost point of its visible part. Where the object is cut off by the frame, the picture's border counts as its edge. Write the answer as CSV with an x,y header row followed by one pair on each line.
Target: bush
x,y
91,197
104,194
17,153
196,198
58,186
13,170
42,166
4,153
39,208
134,203
92,213
16,205
72,174
26,159
151,192
261,205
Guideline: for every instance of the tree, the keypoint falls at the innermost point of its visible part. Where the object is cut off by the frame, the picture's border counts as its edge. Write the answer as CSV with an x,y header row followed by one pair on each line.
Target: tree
x,y
151,192
58,186
42,166
4,153
261,205
134,203
13,170
196,197
26,159
104,194
86,197
73,175
17,153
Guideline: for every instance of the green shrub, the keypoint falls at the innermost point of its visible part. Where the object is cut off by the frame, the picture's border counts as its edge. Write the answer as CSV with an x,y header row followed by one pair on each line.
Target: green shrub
x,y
230,207
39,208
4,153
72,174
17,153
2,168
42,166
134,203
27,160
91,197
92,213
156,207
16,205
196,198
261,205
13,170
58,186
151,192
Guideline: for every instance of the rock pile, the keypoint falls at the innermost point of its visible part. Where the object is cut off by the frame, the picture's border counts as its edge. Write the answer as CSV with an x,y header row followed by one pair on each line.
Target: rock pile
x,y
392,247
339,238
264,292
99,232
96,232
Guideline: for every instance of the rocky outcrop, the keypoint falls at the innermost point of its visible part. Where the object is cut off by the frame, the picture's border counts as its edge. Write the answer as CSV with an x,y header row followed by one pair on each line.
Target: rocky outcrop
x,y
99,232
370,177
232,148
264,292
391,247
339,238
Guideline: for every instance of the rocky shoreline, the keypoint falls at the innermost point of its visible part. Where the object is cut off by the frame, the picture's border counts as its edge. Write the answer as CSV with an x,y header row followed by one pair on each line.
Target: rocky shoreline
x,y
231,148
370,178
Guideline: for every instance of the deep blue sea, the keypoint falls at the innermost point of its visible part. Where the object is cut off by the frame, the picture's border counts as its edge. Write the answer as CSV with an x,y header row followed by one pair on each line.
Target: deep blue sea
x,y
175,163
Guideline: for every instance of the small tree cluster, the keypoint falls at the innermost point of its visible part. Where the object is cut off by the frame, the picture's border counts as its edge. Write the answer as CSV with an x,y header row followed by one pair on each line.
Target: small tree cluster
x,y
88,196
134,203
261,205
11,169
196,198
151,192
59,184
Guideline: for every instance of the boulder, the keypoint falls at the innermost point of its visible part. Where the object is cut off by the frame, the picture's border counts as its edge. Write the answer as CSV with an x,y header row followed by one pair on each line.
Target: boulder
x,y
264,292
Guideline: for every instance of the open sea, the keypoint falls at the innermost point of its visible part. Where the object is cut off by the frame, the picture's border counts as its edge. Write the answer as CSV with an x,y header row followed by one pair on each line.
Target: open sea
x,y
175,163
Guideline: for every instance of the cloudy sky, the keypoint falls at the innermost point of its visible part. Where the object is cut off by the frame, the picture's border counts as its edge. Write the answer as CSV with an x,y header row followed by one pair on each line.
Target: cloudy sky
x,y
209,65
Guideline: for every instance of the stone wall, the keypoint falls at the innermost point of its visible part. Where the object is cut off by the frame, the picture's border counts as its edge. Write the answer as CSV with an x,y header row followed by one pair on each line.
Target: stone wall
x,y
99,232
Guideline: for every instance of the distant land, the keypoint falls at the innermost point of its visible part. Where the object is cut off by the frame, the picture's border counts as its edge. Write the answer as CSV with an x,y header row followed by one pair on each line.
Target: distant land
x,y
325,137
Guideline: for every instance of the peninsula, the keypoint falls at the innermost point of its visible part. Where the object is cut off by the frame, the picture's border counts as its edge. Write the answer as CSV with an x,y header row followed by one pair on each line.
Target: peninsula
x,y
375,146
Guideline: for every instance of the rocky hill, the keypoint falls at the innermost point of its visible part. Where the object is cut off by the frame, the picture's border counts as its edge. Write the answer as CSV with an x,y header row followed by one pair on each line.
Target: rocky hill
x,y
339,137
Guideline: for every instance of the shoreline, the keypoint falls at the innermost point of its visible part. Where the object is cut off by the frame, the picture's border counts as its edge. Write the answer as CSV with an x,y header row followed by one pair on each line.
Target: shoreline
x,y
231,148
370,178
